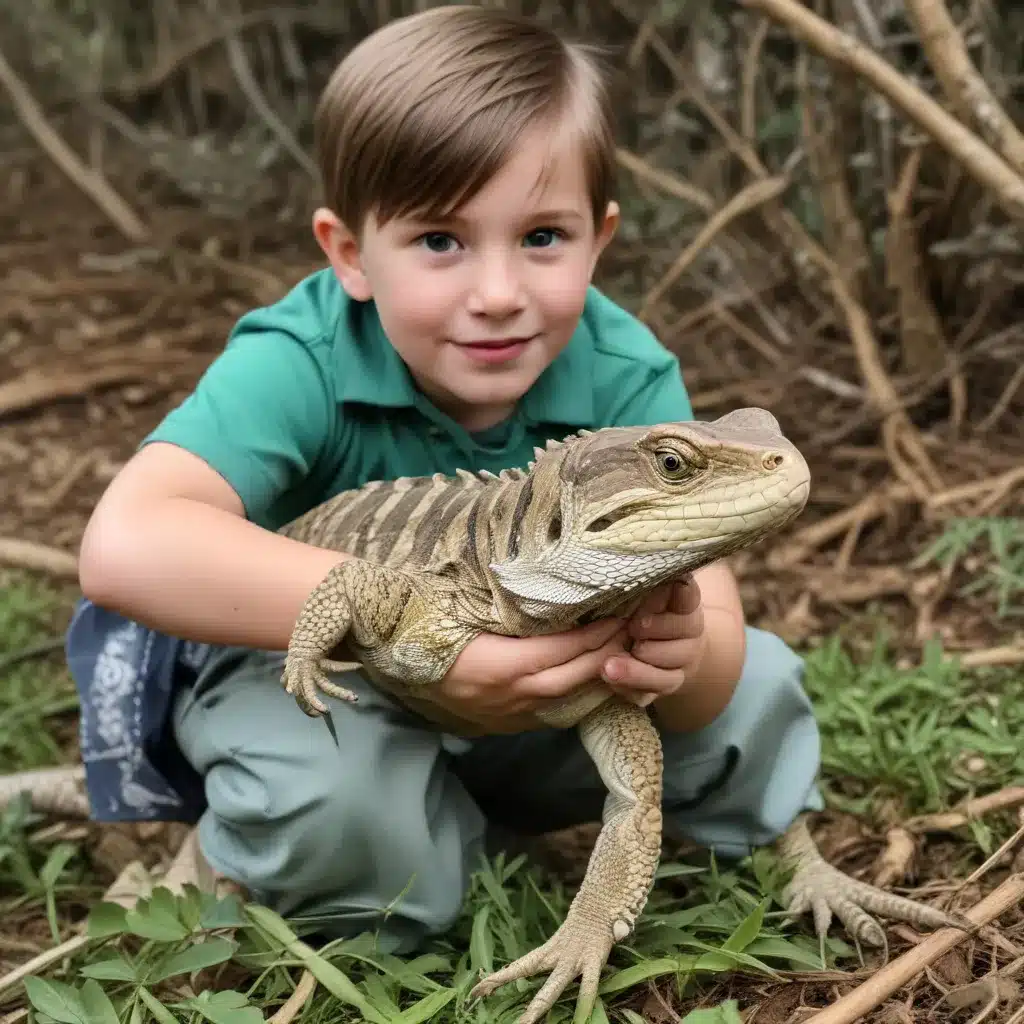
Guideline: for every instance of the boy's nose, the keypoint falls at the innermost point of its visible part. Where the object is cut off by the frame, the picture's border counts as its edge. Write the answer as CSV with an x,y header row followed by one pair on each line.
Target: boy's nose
x,y
497,290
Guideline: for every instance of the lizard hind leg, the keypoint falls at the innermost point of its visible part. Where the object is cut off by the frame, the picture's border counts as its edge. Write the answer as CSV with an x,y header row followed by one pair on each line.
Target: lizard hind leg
x,y
626,749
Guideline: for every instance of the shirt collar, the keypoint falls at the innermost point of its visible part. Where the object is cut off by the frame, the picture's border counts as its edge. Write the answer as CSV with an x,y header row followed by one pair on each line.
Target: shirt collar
x,y
369,371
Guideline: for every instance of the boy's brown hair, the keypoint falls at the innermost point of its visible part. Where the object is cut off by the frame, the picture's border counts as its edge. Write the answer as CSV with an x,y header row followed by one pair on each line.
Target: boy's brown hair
x,y
422,113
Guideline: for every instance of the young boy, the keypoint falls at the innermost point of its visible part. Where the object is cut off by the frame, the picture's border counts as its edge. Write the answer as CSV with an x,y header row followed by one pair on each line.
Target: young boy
x,y
468,161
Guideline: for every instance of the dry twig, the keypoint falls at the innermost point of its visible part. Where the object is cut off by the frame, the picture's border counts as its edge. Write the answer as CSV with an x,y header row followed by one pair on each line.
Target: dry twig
x,y
966,90
34,388
27,554
93,184
761,191
923,342
293,1006
977,158
1001,800
668,182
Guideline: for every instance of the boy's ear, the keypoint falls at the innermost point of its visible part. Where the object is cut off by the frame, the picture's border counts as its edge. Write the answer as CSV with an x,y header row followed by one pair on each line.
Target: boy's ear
x,y
341,247
606,231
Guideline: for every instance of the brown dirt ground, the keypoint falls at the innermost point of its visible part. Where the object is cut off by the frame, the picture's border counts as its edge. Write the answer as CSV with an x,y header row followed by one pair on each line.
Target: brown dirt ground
x,y
99,339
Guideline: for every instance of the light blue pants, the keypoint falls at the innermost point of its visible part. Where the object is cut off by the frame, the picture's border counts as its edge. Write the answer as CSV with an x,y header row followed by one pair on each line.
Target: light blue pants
x,y
393,817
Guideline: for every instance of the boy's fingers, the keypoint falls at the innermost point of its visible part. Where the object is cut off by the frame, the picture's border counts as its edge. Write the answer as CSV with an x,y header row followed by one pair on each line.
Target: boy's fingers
x,y
536,654
561,680
668,626
671,654
685,596
655,602
632,678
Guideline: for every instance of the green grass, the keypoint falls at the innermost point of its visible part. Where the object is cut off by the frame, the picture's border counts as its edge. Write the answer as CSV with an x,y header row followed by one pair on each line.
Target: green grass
x,y
913,736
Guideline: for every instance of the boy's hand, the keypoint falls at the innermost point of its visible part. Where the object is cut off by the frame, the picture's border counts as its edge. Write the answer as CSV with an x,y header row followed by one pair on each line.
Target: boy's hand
x,y
669,642
499,682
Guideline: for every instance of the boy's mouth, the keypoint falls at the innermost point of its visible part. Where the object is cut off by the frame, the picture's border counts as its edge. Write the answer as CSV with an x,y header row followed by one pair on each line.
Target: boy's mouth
x,y
496,350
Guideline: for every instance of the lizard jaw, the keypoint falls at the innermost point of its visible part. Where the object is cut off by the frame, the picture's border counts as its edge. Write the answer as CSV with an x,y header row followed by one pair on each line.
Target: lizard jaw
x,y
578,575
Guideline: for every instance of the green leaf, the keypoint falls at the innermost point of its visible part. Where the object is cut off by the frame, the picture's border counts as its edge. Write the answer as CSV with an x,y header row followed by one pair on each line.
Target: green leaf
x,y
481,944
630,976
783,949
162,1014
194,958
155,919
55,864
747,930
726,1013
99,1009
678,870
115,969
106,919
225,912
57,1000
332,979
427,1007
225,1008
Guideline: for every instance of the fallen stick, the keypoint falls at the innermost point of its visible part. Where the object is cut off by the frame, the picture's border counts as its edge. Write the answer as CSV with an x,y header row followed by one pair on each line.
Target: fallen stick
x,y
27,554
665,180
33,388
888,979
975,488
1010,654
93,184
803,542
296,1001
1001,800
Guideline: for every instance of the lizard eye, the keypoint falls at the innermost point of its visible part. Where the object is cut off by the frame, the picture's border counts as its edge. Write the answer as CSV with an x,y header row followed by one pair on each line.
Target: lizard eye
x,y
672,464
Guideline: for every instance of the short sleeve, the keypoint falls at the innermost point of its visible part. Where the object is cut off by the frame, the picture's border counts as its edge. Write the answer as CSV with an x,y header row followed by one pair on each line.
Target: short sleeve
x,y
659,396
260,416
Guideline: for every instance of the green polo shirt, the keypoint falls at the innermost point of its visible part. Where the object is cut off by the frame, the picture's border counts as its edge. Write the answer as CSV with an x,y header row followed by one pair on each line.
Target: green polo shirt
x,y
309,398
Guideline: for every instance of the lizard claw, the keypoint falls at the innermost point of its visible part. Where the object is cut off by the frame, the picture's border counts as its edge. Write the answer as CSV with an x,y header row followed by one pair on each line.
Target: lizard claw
x,y
578,947
304,675
824,890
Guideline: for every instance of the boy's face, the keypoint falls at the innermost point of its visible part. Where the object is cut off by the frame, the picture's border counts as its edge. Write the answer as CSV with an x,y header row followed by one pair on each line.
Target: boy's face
x,y
479,306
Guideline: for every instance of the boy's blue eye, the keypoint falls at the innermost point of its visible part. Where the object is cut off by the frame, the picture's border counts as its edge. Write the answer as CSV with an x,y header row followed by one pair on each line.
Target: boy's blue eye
x,y
437,241
543,237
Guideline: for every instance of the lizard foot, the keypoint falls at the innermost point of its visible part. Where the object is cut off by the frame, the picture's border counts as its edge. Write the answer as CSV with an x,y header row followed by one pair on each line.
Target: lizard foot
x,y
579,947
306,672
825,890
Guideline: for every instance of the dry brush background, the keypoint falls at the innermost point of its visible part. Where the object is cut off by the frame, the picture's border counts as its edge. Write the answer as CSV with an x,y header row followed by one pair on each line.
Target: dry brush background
x,y
823,207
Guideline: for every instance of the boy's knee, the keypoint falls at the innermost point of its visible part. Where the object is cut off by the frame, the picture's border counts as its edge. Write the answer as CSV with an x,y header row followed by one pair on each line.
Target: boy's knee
x,y
340,832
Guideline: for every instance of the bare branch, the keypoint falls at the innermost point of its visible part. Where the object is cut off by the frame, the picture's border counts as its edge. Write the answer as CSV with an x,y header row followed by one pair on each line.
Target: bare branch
x,y
977,158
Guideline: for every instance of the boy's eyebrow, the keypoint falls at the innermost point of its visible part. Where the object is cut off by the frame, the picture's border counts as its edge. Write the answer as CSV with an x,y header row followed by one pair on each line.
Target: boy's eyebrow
x,y
562,213
454,220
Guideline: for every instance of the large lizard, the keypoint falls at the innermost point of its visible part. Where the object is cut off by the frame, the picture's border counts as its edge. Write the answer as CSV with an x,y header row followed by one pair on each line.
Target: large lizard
x,y
587,530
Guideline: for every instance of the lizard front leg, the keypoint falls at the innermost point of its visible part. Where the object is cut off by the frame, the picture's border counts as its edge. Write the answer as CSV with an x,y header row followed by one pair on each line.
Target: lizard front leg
x,y
388,623
626,749
817,886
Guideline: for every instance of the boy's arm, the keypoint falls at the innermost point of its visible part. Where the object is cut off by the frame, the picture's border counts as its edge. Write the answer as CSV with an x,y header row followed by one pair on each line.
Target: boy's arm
x,y
169,546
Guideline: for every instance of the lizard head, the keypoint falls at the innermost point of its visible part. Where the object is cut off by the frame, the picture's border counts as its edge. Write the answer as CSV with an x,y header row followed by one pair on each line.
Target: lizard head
x,y
630,507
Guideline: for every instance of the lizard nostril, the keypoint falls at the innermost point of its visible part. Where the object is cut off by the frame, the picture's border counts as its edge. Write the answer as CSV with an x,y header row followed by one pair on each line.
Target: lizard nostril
x,y
772,460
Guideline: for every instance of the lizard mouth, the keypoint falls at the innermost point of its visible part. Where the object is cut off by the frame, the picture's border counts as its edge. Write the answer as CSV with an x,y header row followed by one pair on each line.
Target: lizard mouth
x,y
605,521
